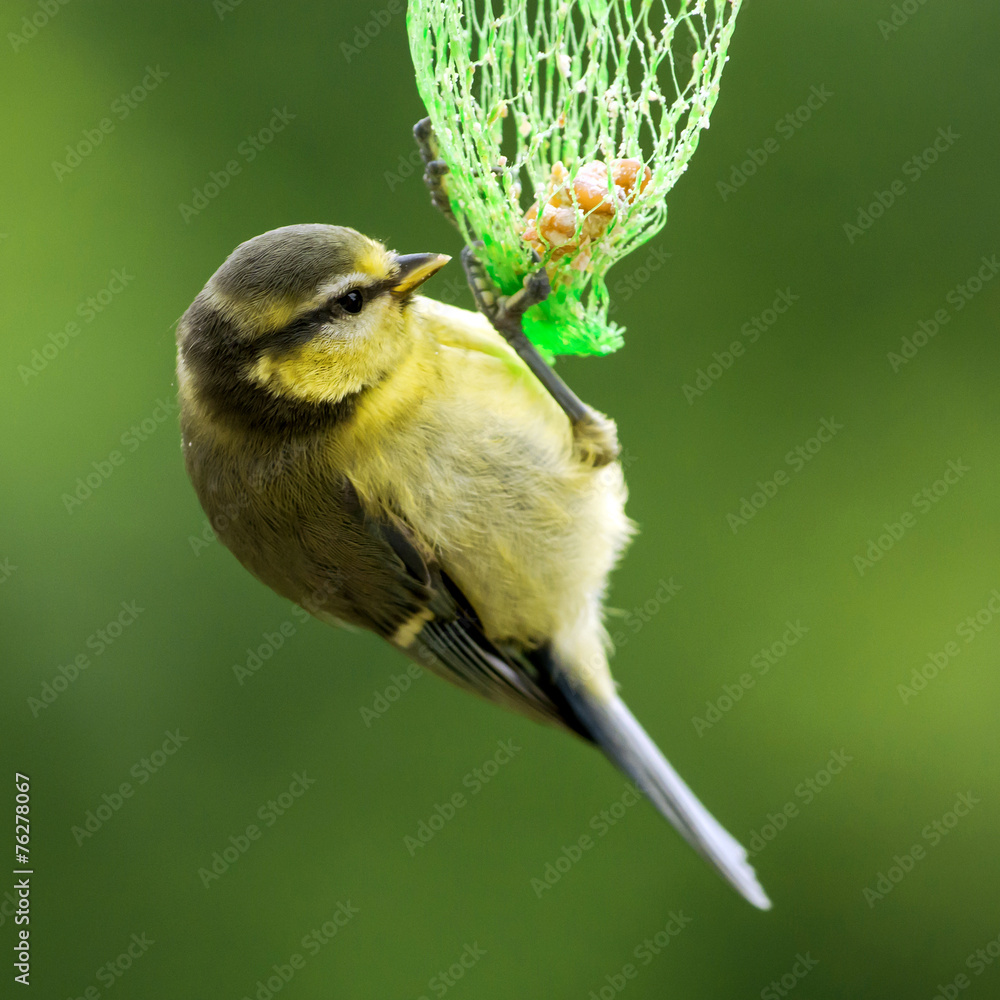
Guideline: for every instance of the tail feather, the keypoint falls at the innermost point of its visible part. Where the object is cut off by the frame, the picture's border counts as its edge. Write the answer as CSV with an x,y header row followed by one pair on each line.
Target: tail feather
x,y
627,744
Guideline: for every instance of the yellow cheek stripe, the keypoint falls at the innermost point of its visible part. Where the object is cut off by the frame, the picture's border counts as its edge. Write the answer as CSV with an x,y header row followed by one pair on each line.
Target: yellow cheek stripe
x,y
311,373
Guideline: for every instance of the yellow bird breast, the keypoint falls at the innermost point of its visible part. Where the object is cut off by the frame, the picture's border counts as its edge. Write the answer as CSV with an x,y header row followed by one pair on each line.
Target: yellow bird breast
x,y
463,443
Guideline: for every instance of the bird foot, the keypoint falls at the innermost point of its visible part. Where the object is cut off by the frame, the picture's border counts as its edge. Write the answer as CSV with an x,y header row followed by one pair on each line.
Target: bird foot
x,y
505,312
435,169
595,437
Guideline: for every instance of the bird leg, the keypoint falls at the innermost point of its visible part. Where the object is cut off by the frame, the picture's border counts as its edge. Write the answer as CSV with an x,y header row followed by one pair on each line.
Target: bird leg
x,y
595,437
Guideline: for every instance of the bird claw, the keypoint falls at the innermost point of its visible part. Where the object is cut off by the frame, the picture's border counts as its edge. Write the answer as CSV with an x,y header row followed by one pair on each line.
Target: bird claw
x,y
423,132
486,294
435,169
536,289
595,439
504,311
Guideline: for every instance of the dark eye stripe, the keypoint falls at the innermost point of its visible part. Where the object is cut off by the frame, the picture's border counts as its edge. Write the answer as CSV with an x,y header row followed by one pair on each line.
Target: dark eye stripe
x,y
300,331
303,328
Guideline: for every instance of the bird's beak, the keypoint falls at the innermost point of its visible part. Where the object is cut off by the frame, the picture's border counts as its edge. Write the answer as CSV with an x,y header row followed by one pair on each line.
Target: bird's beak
x,y
414,269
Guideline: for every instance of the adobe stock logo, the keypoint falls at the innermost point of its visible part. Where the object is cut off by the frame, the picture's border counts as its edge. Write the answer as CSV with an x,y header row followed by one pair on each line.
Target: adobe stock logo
x,y
786,128
383,700
280,975
937,660
109,973
447,978
268,814
806,792
601,823
804,964
644,952
97,642
959,297
976,962
45,11
706,377
121,107
922,502
248,151
902,864
796,459
142,770
761,661
88,310
475,781
913,169
371,29
901,14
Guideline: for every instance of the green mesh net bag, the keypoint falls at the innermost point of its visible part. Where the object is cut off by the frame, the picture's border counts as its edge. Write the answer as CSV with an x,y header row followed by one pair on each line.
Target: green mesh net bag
x,y
564,123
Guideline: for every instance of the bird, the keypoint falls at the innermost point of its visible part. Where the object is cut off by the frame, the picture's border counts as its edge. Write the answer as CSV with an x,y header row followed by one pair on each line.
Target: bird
x,y
388,462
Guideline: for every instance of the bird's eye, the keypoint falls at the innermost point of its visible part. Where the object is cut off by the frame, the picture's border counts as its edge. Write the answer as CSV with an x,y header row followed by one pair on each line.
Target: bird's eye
x,y
352,301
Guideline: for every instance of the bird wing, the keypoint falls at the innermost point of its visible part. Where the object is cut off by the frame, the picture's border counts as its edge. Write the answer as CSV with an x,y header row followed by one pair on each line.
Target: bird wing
x,y
445,634
459,651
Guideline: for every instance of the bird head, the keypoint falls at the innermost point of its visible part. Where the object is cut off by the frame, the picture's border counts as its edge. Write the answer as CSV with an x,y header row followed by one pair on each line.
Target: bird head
x,y
297,322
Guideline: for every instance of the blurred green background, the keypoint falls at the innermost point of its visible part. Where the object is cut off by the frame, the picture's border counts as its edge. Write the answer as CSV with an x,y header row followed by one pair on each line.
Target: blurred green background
x,y
210,78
